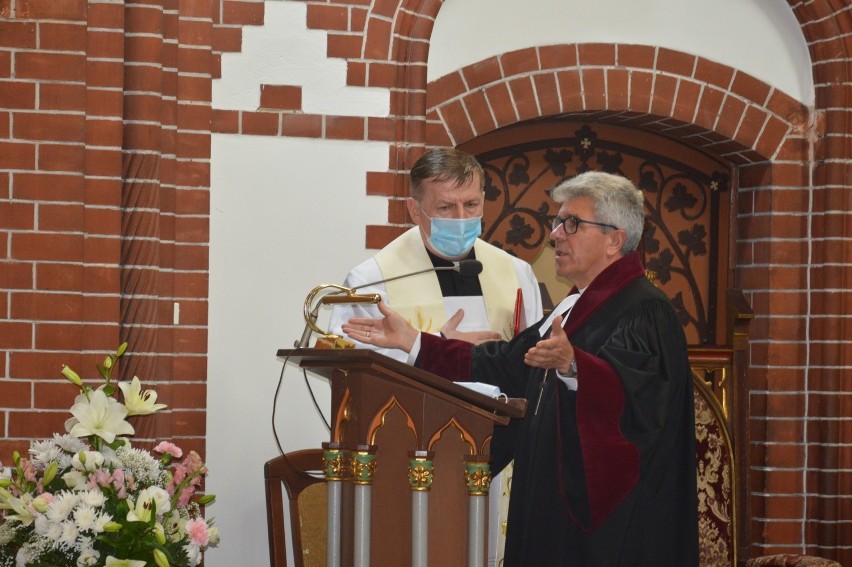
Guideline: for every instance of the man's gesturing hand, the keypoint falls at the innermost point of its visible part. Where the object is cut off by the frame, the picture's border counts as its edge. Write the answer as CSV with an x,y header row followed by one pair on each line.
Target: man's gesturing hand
x,y
391,331
553,352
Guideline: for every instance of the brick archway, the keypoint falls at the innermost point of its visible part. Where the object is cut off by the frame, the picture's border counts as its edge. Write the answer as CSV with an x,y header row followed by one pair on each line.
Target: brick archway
x,y
701,102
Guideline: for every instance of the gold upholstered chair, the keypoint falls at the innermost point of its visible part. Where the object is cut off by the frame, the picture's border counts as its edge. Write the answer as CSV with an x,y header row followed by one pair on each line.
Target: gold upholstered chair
x,y
715,468
300,473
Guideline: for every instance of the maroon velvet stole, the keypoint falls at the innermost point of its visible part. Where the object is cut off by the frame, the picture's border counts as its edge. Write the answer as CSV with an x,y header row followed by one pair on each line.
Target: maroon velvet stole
x,y
449,358
610,462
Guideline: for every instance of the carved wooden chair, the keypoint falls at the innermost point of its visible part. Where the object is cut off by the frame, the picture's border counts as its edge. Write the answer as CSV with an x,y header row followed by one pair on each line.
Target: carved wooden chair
x,y
791,560
300,474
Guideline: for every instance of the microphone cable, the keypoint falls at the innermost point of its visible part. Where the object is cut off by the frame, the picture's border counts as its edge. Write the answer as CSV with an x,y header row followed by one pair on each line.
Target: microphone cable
x,y
314,400
275,403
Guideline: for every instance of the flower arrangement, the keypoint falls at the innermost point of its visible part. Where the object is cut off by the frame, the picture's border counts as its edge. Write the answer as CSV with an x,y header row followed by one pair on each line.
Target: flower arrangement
x,y
87,498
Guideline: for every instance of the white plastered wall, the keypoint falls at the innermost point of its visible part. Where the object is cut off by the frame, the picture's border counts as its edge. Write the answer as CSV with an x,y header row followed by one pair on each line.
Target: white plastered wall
x,y
288,214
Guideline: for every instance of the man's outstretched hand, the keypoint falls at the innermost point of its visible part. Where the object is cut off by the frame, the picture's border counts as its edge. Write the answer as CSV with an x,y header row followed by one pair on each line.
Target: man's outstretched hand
x,y
390,331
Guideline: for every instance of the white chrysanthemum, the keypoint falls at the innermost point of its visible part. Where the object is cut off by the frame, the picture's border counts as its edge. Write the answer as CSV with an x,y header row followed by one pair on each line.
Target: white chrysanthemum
x,y
93,497
110,461
84,542
88,557
193,554
144,467
41,525
42,453
63,461
54,531
100,523
62,506
68,539
85,517
69,444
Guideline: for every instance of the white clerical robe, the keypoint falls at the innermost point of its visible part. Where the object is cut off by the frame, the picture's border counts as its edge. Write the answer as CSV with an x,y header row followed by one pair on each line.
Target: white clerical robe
x,y
419,299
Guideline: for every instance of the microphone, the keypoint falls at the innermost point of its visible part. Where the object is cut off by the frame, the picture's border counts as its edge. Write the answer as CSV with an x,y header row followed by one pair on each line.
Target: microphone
x,y
465,268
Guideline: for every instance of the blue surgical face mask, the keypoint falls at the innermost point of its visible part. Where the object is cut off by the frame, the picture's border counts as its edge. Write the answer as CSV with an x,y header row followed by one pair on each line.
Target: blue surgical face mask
x,y
454,238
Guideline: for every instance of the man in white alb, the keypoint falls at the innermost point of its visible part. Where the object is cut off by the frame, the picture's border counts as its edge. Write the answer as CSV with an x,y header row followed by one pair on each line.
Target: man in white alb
x,y
446,204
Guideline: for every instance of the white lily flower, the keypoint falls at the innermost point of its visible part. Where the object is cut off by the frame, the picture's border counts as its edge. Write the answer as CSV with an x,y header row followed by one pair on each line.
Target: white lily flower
x,y
149,499
20,507
139,402
99,415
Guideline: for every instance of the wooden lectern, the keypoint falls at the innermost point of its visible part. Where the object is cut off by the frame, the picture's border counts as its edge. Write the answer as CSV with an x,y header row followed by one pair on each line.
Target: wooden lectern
x,y
392,410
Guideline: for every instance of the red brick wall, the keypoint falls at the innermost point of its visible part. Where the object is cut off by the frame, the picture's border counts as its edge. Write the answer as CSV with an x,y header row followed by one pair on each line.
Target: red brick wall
x,y
104,181
104,172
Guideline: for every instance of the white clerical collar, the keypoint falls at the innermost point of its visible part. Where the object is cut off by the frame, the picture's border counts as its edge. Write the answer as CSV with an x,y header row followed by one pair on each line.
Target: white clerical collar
x,y
563,309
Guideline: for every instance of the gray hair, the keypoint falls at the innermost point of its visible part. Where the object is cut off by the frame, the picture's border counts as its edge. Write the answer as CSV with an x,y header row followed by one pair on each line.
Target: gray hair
x,y
444,164
615,199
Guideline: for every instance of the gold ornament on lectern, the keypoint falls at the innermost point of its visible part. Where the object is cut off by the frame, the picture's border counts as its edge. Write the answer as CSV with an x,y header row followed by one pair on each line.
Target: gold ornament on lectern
x,y
333,294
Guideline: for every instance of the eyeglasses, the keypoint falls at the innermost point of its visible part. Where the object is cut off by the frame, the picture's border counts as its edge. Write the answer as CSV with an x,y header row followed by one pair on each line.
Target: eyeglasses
x,y
571,223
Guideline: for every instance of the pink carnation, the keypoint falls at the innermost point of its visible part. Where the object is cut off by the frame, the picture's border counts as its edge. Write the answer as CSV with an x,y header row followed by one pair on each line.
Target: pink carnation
x,y
170,448
197,531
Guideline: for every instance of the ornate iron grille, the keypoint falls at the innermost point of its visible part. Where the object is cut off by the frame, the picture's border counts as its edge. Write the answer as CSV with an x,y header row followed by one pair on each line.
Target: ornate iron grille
x,y
687,227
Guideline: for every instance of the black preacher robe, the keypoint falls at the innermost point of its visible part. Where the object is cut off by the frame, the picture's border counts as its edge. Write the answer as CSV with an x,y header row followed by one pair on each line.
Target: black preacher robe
x,y
605,475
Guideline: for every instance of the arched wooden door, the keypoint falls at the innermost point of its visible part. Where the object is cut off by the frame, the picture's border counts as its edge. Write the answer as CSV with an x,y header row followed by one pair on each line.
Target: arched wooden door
x,y
688,238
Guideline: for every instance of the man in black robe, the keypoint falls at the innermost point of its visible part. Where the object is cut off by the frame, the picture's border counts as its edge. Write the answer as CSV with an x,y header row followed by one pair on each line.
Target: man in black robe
x,y
605,457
